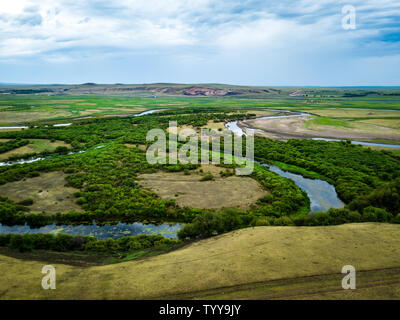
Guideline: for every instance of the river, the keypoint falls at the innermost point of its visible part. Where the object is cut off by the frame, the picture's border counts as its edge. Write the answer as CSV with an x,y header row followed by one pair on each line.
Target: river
x,y
322,194
101,232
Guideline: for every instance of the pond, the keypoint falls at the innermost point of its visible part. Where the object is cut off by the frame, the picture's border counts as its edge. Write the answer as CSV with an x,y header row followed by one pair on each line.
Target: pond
x,y
101,232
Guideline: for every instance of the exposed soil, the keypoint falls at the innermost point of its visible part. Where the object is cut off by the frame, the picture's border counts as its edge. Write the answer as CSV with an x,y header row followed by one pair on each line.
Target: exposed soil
x,y
286,128
189,191
47,191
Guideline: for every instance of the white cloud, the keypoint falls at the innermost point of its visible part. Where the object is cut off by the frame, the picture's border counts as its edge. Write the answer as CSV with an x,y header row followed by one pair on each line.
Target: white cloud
x,y
65,31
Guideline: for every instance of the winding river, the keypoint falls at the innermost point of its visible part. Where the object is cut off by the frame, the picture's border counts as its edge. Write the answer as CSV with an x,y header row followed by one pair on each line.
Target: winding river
x,y
322,196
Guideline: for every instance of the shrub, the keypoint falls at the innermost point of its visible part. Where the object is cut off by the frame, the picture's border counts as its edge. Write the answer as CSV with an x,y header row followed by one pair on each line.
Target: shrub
x,y
283,221
381,214
207,177
23,244
262,222
26,202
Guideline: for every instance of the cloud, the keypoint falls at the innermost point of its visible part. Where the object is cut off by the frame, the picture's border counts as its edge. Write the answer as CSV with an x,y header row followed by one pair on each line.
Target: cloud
x,y
29,19
209,31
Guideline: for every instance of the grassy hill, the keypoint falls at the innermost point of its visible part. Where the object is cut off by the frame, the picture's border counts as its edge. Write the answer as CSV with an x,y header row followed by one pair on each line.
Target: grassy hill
x,y
253,263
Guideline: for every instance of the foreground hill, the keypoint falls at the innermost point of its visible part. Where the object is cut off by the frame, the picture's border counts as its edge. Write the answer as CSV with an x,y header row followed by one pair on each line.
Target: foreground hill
x,y
253,263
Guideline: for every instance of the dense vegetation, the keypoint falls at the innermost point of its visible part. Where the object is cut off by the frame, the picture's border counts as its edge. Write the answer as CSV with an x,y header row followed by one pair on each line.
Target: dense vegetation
x,y
355,171
65,242
106,177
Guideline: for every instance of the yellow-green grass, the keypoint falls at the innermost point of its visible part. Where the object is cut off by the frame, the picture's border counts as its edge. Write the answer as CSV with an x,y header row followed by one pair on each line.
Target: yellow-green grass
x,y
36,146
190,191
353,127
60,112
324,121
48,192
390,123
252,263
354,113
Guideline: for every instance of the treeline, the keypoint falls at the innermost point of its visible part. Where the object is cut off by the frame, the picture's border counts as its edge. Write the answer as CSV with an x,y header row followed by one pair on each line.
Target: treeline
x,y
65,242
213,223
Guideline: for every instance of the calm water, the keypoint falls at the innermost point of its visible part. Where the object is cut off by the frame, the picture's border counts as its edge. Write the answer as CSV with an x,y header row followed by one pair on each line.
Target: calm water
x,y
397,146
100,232
233,126
144,113
322,194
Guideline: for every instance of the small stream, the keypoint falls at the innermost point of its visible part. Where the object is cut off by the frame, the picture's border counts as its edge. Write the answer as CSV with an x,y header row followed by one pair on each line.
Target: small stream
x,y
144,113
34,159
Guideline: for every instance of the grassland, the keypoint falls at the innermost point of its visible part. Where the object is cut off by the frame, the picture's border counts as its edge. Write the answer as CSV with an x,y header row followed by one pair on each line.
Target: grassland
x,y
48,191
326,127
190,191
253,263
111,100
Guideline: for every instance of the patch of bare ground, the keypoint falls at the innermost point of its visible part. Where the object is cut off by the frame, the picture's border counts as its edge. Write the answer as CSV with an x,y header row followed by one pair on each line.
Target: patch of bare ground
x,y
190,191
295,127
48,192
142,147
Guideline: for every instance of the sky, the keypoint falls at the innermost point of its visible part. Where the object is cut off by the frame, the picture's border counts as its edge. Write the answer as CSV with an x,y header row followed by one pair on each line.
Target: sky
x,y
253,42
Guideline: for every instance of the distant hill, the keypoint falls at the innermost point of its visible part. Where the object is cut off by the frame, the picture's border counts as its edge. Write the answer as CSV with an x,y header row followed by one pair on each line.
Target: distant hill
x,y
200,90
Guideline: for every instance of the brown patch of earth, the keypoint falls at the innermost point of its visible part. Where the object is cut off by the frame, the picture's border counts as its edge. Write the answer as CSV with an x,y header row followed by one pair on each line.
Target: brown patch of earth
x,y
47,191
189,191
142,147
285,128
